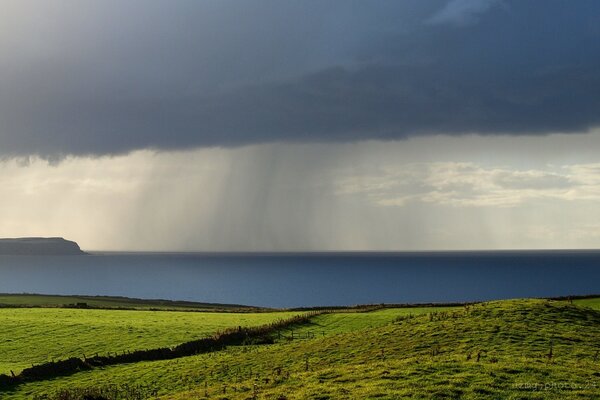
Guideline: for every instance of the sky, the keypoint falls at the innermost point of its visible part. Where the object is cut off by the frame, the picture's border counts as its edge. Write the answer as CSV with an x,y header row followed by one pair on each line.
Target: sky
x,y
222,125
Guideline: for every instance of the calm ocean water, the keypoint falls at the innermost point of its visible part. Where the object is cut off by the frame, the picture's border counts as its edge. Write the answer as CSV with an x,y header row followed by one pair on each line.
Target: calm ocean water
x,y
309,279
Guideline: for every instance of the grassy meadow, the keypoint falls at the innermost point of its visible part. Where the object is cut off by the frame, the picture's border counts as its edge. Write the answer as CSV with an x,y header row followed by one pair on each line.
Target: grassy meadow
x,y
514,349
592,303
35,335
351,320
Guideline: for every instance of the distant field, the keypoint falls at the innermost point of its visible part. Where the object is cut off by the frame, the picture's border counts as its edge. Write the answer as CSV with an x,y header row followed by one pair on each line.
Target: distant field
x,y
593,302
35,335
39,300
342,322
518,349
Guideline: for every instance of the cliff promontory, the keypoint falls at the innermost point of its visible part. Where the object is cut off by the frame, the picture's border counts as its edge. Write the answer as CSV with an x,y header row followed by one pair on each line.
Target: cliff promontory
x,y
39,247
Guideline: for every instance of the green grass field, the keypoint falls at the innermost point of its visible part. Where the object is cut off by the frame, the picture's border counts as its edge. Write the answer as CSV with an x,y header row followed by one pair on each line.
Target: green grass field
x,y
35,335
517,349
593,303
348,321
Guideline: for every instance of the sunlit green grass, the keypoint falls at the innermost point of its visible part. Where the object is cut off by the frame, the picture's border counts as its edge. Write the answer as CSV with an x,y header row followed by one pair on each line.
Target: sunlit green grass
x,y
593,302
520,349
342,322
35,335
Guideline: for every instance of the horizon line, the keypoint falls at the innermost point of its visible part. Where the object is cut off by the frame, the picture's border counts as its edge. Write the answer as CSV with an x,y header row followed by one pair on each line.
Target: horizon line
x,y
91,251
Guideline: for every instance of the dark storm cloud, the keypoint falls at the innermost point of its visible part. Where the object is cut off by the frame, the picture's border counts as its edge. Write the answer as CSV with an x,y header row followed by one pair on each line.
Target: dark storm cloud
x,y
109,77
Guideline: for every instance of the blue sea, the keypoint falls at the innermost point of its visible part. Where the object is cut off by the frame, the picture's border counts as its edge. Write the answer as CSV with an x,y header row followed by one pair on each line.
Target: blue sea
x,y
309,279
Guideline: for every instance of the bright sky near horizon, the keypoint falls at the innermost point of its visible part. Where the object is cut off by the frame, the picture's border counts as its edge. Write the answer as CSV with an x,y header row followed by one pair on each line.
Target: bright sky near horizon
x,y
299,125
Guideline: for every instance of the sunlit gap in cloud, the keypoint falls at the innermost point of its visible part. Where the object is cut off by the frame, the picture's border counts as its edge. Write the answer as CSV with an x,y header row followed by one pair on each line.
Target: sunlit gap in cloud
x,y
439,192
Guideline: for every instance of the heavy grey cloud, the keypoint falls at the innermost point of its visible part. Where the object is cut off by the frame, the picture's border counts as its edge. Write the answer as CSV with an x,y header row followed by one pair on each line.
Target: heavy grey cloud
x,y
113,76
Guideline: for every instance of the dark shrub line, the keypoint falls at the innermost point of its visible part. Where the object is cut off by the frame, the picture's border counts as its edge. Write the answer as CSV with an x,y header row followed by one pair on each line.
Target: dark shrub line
x,y
229,337
576,297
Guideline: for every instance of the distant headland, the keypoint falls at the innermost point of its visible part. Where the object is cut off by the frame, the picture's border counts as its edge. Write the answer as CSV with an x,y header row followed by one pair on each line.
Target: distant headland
x,y
36,246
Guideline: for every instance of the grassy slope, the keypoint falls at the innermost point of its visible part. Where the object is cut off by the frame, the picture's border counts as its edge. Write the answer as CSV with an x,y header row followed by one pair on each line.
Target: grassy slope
x,y
341,322
34,335
428,356
593,302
